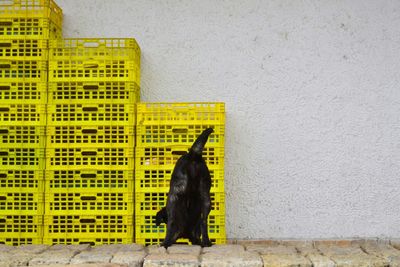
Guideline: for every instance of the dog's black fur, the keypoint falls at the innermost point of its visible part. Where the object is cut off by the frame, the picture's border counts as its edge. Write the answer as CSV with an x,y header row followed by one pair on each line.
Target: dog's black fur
x,y
189,201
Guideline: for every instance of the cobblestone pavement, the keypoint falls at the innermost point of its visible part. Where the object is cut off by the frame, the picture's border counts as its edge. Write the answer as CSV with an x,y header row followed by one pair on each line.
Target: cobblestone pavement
x,y
343,253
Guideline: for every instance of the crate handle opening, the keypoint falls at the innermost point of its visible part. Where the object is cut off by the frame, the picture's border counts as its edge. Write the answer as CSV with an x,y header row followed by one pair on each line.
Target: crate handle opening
x,y
6,23
86,242
3,153
4,109
91,44
89,153
89,131
3,198
5,44
90,109
87,198
91,87
5,87
3,175
88,175
3,131
87,220
5,65
179,152
90,65
179,130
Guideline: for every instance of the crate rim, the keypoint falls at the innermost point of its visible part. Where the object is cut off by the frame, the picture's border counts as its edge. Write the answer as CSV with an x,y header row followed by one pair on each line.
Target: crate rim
x,y
58,43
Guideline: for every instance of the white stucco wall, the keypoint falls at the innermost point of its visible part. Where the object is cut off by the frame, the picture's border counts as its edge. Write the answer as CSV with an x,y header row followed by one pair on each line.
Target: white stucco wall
x,y
312,92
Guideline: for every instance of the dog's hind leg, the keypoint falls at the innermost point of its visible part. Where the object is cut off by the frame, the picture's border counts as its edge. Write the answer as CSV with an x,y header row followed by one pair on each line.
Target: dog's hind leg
x,y
205,210
194,234
172,234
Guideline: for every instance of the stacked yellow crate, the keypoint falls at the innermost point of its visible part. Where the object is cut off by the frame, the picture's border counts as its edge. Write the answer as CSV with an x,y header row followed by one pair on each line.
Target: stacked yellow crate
x,y
164,132
93,86
25,27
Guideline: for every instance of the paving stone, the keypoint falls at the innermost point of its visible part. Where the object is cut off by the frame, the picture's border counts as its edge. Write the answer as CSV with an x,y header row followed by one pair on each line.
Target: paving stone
x,y
236,259
306,250
184,249
21,258
21,255
224,248
176,260
156,249
351,260
285,260
384,251
129,258
297,243
319,260
96,265
265,249
74,248
5,248
119,247
86,265
92,256
258,242
395,243
32,249
5,259
61,256
315,256
331,250
338,243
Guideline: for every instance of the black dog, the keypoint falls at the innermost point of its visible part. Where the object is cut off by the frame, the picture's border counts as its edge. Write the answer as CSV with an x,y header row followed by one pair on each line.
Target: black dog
x,y
189,201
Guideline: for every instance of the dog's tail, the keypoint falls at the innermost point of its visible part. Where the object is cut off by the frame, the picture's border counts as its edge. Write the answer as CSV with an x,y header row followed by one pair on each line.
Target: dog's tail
x,y
198,145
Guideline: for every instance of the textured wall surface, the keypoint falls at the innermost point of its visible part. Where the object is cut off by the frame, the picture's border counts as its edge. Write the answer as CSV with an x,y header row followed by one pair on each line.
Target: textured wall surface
x,y
312,94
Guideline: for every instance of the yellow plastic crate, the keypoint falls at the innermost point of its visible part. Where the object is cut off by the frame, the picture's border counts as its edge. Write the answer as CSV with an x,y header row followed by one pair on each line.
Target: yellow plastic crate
x,y
22,137
28,28
90,136
93,70
194,113
93,158
147,233
90,114
163,156
21,202
31,9
22,114
23,92
95,48
93,229
157,180
163,134
101,186
105,92
89,180
24,49
93,60
97,202
22,159
18,230
69,239
23,70
25,180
